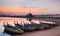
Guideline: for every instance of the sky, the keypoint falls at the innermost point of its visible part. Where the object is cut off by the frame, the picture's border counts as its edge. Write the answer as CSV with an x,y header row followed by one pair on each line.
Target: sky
x,y
30,6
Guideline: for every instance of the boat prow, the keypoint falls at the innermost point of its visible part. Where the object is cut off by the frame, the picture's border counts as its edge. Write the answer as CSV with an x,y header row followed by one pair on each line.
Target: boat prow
x,y
13,30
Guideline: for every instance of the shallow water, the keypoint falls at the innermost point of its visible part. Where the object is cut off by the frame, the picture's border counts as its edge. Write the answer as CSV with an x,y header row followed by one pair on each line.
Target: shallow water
x,y
49,32
10,21
4,20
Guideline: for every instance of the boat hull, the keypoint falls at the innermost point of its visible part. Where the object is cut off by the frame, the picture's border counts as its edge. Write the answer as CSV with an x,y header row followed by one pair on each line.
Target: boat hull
x,y
12,32
12,29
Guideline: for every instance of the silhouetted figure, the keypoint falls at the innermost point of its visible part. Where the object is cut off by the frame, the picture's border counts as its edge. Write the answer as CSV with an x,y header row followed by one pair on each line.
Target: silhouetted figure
x,y
29,15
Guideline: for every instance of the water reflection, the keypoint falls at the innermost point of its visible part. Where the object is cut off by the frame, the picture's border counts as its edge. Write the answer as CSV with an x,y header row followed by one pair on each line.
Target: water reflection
x,y
11,22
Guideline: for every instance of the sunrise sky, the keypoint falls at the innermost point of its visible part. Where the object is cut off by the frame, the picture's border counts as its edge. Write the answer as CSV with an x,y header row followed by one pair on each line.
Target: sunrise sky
x,y
30,6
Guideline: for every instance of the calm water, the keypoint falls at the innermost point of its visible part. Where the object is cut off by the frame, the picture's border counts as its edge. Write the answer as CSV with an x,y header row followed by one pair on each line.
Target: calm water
x,y
51,32
11,22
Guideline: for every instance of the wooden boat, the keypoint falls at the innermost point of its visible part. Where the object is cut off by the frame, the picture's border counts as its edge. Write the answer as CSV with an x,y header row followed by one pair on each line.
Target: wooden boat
x,y
39,27
19,26
12,29
29,27
51,25
46,26
42,26
26,27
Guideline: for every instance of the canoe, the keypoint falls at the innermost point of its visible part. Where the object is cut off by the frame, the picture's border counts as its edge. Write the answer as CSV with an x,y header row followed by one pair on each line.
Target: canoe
x,y
42,26
26,27
29,27
19,26
39,27
12,29
47,26
51,25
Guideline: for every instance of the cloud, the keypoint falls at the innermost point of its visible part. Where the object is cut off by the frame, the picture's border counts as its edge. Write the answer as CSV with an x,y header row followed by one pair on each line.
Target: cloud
x,y
33,6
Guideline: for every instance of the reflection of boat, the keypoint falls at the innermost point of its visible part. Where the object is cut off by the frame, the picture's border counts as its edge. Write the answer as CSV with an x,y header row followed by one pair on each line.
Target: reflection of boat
x,y
12,29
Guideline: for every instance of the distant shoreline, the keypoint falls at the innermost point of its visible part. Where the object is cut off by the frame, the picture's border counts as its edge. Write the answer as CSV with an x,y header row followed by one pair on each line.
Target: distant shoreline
x,y
29,17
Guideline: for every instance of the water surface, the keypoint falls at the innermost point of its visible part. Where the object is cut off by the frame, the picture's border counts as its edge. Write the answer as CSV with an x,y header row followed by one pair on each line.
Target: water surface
x,y
50,32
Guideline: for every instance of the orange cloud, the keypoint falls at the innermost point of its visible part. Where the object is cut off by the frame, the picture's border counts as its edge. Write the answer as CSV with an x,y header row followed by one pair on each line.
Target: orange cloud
x,y
28,10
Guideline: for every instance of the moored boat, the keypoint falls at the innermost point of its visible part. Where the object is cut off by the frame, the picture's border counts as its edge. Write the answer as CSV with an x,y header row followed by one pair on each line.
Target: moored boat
x,y
25,27
29,27
42,26
12,29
